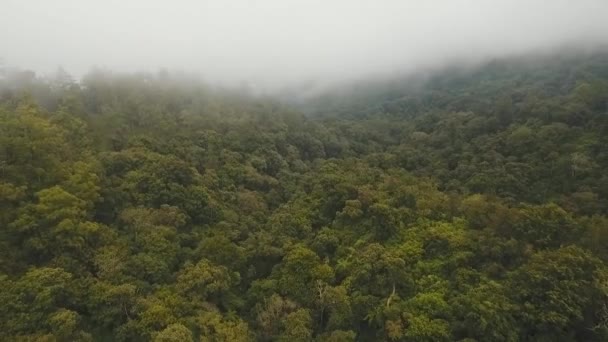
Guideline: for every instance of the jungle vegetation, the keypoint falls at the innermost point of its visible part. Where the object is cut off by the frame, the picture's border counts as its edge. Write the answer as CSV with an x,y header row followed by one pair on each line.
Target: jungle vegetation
x,y
470,205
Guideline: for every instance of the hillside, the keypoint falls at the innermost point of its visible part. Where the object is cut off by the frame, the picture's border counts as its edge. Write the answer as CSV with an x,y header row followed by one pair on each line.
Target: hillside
x,y
460,205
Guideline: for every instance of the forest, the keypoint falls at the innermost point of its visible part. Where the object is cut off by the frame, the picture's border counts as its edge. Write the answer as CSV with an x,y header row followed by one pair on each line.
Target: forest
x,y
468,204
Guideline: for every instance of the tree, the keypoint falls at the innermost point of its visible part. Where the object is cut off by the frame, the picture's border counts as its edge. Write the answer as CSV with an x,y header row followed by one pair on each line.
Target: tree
x,y
299,272
554,290
174,333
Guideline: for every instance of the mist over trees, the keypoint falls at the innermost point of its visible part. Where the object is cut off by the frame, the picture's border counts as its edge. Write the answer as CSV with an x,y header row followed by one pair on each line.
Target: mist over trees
x,y
466,205
276,43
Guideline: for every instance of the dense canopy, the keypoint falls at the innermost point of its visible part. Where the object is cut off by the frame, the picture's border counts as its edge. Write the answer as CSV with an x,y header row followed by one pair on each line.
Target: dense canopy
x,y
470,205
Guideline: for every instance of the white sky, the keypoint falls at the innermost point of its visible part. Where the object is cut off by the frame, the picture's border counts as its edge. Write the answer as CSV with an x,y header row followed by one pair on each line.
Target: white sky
x,y
282,41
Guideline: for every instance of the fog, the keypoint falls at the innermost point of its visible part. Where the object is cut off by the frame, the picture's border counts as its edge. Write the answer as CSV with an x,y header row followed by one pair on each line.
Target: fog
x,y
273,43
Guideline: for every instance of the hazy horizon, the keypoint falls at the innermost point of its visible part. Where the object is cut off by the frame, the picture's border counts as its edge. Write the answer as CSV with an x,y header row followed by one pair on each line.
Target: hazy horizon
x,y
280,43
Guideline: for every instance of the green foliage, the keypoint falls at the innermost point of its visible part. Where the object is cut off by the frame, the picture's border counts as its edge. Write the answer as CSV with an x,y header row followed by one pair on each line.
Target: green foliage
x,y
471,206
174,333
556,288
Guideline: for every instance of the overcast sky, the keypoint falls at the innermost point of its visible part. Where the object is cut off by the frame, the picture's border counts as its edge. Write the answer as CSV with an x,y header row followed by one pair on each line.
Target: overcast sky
x,y
282,41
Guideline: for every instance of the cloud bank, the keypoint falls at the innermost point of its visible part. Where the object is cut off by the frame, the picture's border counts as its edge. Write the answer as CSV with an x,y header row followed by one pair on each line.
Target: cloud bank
x,y
279,42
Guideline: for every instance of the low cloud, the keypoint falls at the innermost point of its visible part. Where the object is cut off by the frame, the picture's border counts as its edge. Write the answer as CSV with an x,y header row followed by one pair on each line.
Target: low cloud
x,y
275,43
